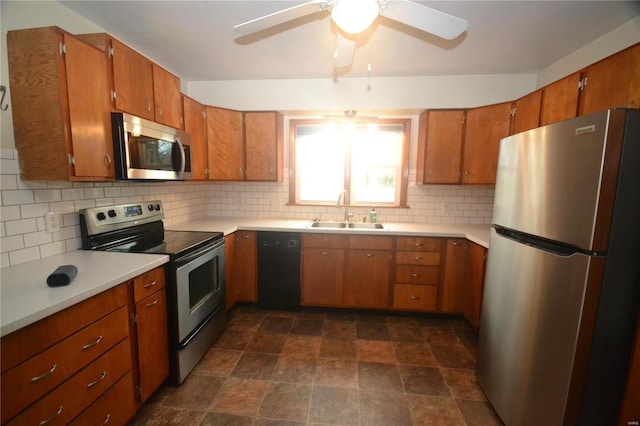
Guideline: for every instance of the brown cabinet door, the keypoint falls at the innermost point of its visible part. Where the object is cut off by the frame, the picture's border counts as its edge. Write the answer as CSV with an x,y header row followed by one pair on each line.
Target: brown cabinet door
x,y
261,137
225,144
560,100
612,82
453,281
89,109
229,249
133,81
167,97
484,129
195,123
153,355
244,276
476,261
322,277
527,112
444,131
367,279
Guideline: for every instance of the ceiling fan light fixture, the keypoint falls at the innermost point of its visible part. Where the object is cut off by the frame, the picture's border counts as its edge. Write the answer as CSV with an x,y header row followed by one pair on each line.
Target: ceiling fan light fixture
x,y
354,16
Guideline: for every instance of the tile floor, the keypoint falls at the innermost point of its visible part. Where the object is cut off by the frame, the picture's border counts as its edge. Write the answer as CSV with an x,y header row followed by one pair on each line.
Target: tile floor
x,y
330,368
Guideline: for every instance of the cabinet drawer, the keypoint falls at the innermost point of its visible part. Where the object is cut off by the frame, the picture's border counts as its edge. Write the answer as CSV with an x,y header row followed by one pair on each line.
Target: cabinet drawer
x,y
38,375
324,241
148,283
26,342
116,407
417,274
415,297
418,244
69,399
370,243
418,258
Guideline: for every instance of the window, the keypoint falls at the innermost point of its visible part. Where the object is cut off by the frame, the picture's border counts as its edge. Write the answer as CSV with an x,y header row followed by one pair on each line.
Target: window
x,y
368,159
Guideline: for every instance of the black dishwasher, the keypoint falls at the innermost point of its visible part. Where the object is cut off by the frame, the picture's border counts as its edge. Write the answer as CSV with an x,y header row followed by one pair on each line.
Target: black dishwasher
x,y
279,270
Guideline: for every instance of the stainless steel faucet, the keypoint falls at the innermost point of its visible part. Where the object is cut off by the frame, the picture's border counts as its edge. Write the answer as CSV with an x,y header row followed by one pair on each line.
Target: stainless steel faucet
x,y
344,196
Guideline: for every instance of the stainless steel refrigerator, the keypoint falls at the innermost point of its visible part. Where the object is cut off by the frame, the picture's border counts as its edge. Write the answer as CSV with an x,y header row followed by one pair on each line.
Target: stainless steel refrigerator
x,y
562,287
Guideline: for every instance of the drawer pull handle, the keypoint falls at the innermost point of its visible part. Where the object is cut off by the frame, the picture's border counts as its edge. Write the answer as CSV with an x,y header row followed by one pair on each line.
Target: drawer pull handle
x,y
454,244
414,297
324,253
155,302
42,376
44,422
151,284
106,420
416,275
101,378
369,255
92,344
418,244
418,258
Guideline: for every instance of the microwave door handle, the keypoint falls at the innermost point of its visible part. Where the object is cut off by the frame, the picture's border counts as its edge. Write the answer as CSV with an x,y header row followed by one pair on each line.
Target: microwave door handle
x,y
183,159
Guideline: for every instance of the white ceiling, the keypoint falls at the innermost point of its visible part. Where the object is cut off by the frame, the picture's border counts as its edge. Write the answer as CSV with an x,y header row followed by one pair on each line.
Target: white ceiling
x,y
195,39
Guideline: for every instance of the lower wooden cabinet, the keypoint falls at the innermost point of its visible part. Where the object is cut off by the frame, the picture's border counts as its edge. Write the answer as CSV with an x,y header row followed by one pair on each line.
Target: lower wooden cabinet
x,y
322,276
244,266
85,364
413,297
472,296
151,332
454,280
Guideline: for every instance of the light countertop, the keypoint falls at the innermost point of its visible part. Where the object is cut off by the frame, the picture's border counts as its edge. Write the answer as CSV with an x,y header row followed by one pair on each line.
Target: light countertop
x,y
26,298
479,234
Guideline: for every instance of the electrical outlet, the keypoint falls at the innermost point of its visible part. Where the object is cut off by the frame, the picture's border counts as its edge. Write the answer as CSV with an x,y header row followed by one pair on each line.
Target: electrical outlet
x,y
52,221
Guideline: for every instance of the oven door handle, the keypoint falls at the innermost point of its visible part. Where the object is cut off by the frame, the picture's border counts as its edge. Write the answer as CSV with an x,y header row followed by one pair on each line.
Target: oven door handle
x,y
191,256
183,159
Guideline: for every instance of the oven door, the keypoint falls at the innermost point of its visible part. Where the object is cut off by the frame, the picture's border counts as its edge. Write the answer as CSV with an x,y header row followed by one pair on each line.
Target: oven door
x,y
200,281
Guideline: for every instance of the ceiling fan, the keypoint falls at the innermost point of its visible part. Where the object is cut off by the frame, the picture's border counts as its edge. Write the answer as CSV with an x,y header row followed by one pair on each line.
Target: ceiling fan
x,y
354,16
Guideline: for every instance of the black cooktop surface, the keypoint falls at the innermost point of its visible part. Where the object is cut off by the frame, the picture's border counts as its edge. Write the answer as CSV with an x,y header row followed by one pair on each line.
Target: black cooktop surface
x,y
169,242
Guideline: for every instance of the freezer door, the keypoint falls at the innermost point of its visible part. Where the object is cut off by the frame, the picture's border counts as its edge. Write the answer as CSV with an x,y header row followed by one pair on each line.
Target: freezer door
x,y
530,320
548,180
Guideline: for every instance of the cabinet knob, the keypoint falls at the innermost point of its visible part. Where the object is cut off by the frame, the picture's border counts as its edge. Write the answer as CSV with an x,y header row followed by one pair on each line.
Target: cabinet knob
x,y
324,253
417,258
148,105
416,275
369,255
414,297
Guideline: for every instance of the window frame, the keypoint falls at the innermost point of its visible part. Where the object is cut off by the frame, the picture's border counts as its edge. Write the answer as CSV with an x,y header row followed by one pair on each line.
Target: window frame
x,y
404,175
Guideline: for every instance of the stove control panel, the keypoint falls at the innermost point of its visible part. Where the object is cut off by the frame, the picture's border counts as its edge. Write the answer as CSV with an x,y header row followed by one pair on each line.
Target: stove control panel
x,y
109,218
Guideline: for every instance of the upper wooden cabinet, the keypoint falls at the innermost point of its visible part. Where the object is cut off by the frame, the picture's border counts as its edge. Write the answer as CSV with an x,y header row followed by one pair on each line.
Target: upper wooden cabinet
x,y
264,146
225,144
195,123
485,126
139,86
612,82
167,98
560,100
245,146
441,133
61,106
526,112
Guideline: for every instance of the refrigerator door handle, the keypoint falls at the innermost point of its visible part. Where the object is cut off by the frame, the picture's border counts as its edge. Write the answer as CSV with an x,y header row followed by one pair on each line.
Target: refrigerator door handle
x,y
554,247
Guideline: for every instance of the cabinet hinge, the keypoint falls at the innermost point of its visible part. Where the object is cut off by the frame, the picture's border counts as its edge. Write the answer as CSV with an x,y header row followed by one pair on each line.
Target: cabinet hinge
x,y
72,161
204,115
464,118
206,172
513,112
63,49
138,392
134,318
582,83
113,95
111,51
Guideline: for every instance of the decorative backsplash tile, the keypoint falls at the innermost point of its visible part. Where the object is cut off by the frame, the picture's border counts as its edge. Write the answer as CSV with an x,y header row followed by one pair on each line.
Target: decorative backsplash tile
x,y
23,236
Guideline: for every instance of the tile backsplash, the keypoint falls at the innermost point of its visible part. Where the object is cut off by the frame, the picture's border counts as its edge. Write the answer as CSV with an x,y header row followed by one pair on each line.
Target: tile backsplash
x,y
23,236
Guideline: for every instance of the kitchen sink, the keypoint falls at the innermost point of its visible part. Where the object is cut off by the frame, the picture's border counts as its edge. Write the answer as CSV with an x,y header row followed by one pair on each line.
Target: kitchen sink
x,y
328,225
355,225
343,225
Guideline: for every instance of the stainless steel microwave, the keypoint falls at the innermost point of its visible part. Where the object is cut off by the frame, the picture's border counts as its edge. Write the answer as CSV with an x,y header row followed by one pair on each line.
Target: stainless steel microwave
x,y
145,150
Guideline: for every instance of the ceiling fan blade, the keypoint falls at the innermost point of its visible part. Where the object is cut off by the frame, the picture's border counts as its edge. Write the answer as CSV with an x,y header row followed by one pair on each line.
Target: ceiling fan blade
x,y
425,18
345,48
280,17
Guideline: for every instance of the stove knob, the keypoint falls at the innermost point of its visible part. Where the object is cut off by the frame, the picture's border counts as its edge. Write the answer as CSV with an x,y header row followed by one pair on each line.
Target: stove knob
x,y
101,216
112,213
150,207
157,207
